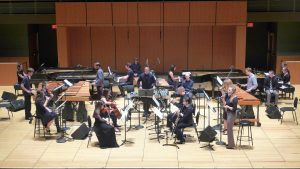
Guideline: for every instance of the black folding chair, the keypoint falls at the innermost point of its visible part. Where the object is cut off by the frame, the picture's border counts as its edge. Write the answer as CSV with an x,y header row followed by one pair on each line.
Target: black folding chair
x,y
291,109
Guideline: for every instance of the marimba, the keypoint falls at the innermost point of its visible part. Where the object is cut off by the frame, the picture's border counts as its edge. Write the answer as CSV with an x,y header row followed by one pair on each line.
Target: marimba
x,y
246,99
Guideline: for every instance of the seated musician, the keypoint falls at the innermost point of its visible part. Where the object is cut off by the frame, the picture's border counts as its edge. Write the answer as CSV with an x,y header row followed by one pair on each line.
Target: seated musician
x,y
230,107
46,114
136,67
110,108
171,78
285,76
251,82
185,119
224,90
188,82
127,78
171,116
146,81
271,87
104,130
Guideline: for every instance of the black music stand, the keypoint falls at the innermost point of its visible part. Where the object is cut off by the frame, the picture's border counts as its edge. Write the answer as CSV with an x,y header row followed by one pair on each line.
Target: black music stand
x,y
63,138
125,112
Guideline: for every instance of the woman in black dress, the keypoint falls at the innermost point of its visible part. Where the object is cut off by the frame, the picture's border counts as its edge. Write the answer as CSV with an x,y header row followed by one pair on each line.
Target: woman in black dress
x,y
231,101
46,114
105,132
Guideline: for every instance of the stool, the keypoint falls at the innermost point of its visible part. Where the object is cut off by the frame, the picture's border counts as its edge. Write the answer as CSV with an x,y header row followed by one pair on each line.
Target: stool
x,y
242,124
37,127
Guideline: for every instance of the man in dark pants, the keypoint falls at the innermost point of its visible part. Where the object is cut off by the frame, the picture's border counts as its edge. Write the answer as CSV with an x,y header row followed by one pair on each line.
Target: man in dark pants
x,y
127,78
271,87
146,81
99,79
27,92
172,116
136,67
185,119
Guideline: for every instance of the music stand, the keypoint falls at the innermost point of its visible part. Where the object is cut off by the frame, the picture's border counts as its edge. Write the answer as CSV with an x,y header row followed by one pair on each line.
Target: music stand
x,y
63,138
124,117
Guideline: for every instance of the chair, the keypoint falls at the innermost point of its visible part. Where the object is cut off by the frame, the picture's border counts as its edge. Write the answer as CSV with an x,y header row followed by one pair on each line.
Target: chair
x,y
6,102
287,89
17,87
37,126
129,88
243,124
291,109
91,130
195,124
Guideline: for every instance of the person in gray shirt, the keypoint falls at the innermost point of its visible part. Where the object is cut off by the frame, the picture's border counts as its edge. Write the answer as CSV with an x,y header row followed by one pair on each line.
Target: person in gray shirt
x,y
99,79
251,82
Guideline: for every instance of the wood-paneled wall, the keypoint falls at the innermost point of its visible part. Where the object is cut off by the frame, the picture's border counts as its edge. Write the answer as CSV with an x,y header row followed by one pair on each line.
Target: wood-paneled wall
x,y
192,35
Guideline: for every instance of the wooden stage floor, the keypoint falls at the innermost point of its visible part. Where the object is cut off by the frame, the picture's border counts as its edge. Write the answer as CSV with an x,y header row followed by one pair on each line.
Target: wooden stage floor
x,y
275,146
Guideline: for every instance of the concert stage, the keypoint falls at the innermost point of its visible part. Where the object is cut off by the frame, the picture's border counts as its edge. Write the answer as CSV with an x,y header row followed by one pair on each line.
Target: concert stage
x,y
275,145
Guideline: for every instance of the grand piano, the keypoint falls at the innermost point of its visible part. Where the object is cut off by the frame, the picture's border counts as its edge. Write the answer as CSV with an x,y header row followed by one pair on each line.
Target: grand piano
x,y
210,77
74,75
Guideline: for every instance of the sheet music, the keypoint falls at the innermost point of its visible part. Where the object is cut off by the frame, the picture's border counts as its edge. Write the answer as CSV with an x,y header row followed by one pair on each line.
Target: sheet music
x,y
267,74
184,73
110,73
219,80
174,108
157,112
283,87
68,83
126,110
155,101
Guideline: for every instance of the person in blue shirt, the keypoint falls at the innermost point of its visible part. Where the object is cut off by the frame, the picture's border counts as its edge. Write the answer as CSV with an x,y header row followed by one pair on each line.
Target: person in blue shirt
x,y
188,82
136,67
127,78
146,81
99,79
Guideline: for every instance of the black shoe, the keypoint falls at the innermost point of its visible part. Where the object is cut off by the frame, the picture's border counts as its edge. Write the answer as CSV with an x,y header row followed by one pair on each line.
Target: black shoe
x,y
181,142
227,147
117,125
28,118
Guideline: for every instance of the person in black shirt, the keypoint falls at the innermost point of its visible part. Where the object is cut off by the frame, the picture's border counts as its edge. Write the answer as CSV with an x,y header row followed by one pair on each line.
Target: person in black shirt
x,y
172,80
172,116
20,73
27,92
188,82
105,132
146,81
230,108
136,67
46,114
285,76
185,119
271,87
128,79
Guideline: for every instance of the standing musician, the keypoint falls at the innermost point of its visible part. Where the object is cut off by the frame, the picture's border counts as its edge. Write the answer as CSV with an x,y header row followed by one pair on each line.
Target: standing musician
x,y
104,130
110,108
188,82
172,116
27,92
224,90
230,107
136,67
271,87
44,112
99,79
146,81
171,78
20,73
184,119
128,79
